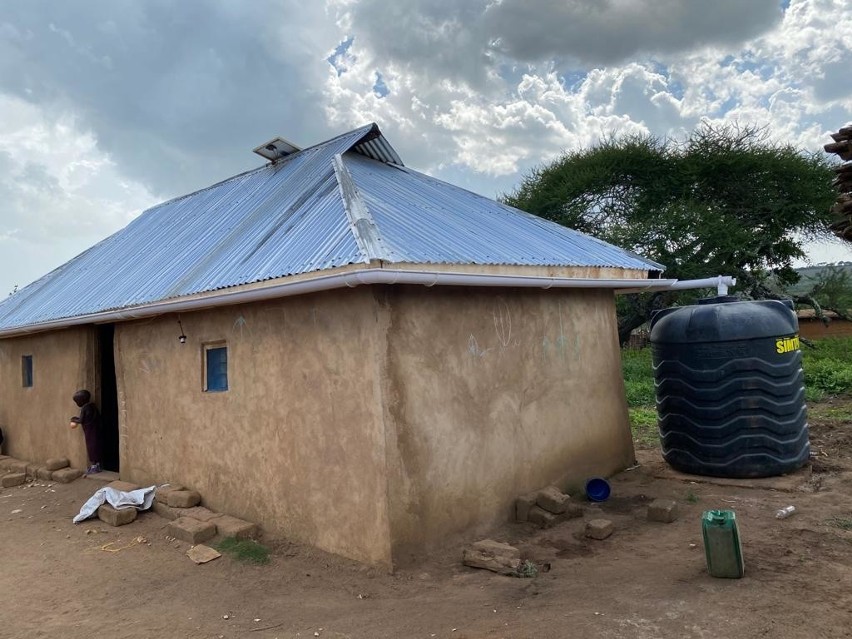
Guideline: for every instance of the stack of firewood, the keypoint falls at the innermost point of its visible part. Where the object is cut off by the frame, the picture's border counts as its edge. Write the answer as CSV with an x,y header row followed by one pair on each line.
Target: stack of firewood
x,y
842,146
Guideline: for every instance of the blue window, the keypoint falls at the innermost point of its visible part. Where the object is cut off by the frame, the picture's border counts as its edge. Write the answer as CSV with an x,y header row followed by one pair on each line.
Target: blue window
x,y
216,368
27,370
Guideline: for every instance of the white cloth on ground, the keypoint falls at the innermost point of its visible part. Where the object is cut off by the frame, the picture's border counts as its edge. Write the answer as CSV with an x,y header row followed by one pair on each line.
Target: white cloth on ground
x,y
140,499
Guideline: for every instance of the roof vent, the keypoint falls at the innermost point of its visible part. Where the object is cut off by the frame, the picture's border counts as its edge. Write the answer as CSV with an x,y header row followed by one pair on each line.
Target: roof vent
x,y
276,149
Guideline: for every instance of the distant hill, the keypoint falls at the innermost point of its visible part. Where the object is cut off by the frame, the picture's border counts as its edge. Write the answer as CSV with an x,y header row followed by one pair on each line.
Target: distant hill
x,y
810,273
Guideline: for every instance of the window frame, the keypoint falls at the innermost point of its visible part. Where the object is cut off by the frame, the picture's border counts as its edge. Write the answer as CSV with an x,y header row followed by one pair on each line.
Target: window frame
x,y
205,364
27,376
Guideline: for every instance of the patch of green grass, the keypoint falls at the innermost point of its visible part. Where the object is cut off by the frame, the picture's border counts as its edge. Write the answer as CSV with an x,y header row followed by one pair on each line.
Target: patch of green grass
x,y
691,498
527,570
828,367
643,423
244,550
638,377
829,413
844,523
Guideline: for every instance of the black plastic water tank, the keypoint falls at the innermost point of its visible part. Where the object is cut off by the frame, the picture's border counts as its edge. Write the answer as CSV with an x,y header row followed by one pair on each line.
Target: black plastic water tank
x,y
730,388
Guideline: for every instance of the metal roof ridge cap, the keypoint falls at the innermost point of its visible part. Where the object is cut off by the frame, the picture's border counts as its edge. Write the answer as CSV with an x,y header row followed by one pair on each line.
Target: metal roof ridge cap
x,y
361,222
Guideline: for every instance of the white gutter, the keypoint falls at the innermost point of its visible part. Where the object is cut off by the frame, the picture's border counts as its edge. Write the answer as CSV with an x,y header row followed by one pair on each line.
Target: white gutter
x,y
721,282
357,278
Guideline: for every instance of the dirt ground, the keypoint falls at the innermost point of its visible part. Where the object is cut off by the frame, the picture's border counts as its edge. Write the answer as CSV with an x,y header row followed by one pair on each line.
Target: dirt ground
x,y
647,580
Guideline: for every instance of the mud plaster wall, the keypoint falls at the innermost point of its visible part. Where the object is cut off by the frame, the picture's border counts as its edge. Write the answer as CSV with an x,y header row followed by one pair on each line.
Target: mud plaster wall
x,y
491,394
35,420
296,444
815,329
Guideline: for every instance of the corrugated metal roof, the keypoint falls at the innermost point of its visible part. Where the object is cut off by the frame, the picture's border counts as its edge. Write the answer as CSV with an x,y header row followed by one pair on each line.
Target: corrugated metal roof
x,y
425,221
289,218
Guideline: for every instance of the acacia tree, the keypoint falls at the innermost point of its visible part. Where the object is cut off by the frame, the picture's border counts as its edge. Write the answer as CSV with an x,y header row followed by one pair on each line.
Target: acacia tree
x,y
831,290
726,200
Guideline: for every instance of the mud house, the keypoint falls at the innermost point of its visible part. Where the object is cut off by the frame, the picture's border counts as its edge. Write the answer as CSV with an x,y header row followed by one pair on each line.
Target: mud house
x,y
829,325
349,352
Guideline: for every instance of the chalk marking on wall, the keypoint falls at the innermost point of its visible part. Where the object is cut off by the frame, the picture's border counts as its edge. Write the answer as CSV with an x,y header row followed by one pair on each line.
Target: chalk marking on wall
x,y
242,324
473,347
502,322
560,342
545,347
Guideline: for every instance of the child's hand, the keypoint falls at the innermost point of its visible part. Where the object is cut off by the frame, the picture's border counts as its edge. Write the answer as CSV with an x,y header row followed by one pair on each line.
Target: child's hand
x,y
73,425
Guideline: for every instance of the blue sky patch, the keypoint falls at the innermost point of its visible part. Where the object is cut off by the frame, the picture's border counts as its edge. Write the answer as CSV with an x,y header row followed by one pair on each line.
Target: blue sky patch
x,y
335,59
379,87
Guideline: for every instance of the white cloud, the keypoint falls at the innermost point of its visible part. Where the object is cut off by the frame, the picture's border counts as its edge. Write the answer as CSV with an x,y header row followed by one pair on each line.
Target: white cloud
x,y
142,101
60,193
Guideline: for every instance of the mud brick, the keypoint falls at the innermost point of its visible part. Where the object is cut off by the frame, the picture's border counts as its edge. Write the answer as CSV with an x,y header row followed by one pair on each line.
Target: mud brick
x,y
228,526
163,492
541,517
116,516
66,475
13,479
123,486
200,513
523,505
573,510
44,473
32,471
599,528
3,457
166,512
191,530
184,498
18,467
662,510
552,500
6,462
57,463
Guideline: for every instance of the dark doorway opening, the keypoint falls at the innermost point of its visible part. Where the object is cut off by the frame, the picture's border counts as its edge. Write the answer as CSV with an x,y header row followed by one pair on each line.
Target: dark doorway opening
x,y
109,398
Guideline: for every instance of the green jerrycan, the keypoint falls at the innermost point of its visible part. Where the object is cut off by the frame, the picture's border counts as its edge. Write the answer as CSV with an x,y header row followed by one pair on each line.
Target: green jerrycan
x,y
722,544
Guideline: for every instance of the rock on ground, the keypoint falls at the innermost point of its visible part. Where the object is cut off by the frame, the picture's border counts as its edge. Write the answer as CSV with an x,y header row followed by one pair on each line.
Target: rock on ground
x,y
57,463
13,479
552,500
116,516
183,498
228,526
66,475
493,555
191,530
662,510
599,528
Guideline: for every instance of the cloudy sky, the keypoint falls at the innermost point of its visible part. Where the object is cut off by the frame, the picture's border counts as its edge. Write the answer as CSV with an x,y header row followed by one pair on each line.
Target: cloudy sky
x,y
109,106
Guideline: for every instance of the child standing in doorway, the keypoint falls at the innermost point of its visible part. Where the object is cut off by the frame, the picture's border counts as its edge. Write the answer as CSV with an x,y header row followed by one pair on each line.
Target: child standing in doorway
x,y
90,420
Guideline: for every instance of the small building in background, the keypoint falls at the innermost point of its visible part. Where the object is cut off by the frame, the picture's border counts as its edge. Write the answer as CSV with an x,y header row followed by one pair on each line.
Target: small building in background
x,y
813,327
350,353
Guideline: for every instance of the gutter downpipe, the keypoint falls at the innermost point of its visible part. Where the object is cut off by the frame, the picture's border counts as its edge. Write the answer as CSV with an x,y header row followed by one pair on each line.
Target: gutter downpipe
x,y
365,277
721,282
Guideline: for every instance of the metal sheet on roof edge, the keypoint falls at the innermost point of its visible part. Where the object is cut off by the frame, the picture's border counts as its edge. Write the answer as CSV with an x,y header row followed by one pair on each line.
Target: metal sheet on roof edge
x,y
363,226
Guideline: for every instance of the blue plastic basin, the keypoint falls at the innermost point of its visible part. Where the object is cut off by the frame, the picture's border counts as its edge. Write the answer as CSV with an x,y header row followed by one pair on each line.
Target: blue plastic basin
x,y
597,489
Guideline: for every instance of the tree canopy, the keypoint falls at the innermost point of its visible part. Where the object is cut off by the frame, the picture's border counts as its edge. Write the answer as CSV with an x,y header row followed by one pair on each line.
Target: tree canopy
x,y
726,200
